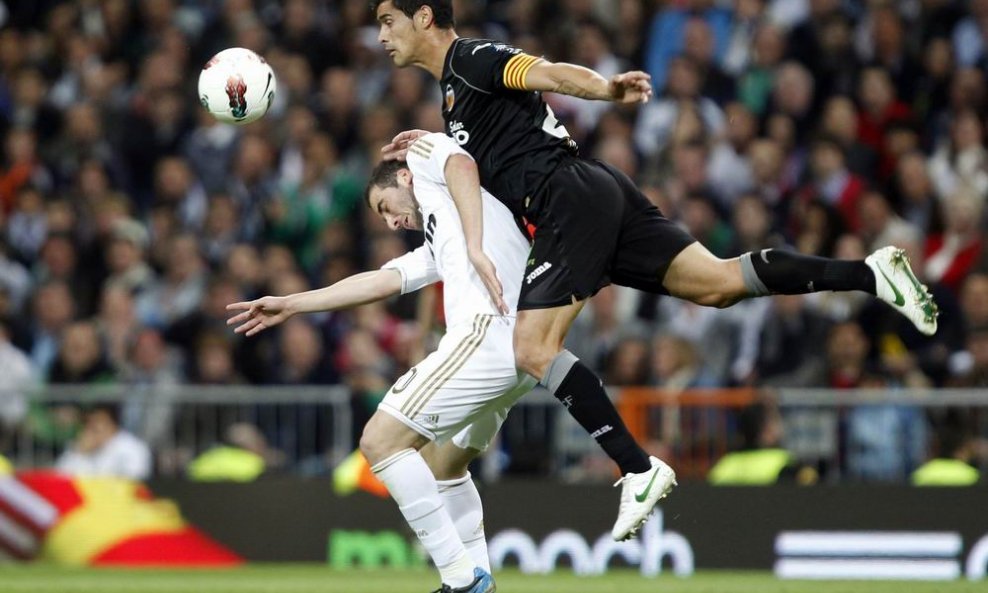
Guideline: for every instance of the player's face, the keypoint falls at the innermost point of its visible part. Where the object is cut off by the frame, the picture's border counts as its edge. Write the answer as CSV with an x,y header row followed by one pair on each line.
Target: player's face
x,y
397,34
397,205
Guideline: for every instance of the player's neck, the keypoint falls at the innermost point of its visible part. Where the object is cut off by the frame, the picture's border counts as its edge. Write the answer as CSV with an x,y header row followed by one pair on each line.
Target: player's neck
x,y
434,53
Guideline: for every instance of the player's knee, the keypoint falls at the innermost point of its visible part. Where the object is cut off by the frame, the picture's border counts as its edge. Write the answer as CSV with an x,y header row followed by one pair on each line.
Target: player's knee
x,y
723,287
718,299
374,443
532,356
369,445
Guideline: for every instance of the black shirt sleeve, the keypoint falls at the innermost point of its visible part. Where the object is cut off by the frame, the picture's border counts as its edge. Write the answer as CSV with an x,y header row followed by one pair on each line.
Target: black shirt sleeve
x,y
489,66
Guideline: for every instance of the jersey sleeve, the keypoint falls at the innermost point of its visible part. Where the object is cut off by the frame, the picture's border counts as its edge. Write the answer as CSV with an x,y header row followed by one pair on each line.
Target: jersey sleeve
x,y
490,65
417,269
427,157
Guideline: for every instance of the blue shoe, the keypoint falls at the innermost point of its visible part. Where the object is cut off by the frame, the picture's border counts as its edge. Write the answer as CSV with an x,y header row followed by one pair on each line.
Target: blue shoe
x,y
483,582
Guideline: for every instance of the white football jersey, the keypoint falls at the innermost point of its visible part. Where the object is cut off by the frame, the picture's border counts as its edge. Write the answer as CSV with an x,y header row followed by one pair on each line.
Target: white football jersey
x,y
444,254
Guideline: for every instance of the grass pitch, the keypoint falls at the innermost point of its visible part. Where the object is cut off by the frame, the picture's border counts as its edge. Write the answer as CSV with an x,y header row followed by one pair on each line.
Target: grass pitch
x,y
295,578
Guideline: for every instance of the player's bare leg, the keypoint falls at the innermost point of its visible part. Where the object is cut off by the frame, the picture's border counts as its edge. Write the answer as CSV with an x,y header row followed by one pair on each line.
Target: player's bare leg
x,y
697,275
392,449
449,465
701,277
539,335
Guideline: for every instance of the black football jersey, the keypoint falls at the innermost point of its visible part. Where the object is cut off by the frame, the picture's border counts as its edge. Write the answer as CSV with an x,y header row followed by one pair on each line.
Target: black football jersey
x,y
512,134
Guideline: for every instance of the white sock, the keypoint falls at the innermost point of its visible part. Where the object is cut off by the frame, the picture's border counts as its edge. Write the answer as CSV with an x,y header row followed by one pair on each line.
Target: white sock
x,y
462,502
412,485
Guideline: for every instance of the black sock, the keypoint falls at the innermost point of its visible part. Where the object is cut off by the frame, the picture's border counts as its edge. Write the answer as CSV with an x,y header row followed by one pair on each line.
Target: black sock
x,y
787,272
585,399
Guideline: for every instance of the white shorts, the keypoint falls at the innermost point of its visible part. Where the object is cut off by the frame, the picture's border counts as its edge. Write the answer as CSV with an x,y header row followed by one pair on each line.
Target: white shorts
x,y
464,390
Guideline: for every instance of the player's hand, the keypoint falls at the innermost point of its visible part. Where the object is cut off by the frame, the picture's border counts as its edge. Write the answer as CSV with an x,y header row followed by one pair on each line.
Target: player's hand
x,y
257,315
488,274
630,87
398,147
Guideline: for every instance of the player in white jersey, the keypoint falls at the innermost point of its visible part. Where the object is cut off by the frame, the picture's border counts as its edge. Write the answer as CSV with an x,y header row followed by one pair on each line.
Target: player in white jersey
x,y
450,405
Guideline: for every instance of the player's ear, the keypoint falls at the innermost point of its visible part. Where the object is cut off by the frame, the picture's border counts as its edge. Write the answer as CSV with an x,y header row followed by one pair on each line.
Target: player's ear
x,y
404,176
424,16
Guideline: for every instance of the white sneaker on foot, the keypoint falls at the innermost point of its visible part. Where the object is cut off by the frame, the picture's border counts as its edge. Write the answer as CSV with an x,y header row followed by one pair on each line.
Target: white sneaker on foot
x,y
896,284
639,495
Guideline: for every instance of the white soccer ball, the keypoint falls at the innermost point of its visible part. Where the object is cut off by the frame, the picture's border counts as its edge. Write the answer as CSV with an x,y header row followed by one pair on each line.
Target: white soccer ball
x,y
237,86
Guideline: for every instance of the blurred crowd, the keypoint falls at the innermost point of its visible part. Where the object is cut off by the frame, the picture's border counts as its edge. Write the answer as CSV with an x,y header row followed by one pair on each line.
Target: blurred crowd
x,y
129,218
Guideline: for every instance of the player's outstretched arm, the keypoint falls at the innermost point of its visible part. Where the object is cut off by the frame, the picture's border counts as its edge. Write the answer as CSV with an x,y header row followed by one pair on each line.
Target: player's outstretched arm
x,y
577,81
257,315
463,181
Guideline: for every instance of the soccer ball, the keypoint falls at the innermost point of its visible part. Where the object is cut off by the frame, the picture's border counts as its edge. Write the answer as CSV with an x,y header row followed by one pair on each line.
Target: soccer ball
x,y
237,86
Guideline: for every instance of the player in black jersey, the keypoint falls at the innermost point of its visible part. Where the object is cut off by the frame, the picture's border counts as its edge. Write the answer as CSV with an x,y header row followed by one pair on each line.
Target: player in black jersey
x,y
592,225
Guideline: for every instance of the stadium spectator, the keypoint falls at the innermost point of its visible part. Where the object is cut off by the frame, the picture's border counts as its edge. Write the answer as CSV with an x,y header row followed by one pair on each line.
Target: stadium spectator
x,y
951,255
22,168
952,467
913,195
179,290
756,82
214,361
628,363
880,225
971,35
15,368
125,257
117,323
793,88
81,356
104,449
153,375
970,367
301,356
667,36
243,457
761,459
840,122
885,441
963,159
729,171
15,281
752,223
657,118
831,184
53,311
677,365
28,224
788,342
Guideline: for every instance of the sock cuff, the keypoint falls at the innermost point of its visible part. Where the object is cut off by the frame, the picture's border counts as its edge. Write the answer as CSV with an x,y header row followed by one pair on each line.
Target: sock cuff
x,y
559,367
388,461
450,484
750,277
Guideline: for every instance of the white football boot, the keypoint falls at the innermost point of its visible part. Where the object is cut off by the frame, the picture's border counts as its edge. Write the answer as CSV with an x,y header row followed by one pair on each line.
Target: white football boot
x,y
639,495
896,284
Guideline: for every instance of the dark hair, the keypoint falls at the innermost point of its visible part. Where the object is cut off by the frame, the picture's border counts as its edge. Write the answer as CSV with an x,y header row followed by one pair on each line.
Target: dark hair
x,y
442,10
385,174
751,423
111,409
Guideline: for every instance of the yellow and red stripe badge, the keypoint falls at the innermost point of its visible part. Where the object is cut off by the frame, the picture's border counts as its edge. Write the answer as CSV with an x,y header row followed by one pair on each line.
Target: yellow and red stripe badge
x,y
516,69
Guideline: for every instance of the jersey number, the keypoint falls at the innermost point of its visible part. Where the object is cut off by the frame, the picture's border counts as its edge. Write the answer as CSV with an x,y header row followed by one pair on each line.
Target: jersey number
x,y
551,125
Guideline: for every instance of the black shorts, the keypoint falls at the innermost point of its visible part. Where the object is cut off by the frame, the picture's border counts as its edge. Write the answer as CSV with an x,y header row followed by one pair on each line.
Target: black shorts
x,y
593,227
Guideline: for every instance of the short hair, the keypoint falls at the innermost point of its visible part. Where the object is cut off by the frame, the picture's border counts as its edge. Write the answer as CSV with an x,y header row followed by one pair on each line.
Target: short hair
x,y
385,174
442,10
111,409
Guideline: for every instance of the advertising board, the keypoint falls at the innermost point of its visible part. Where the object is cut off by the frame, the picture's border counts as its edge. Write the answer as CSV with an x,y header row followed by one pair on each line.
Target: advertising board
x,y
819,532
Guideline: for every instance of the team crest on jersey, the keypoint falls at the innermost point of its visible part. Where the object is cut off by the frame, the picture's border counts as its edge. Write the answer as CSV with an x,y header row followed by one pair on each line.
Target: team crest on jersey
x,y
450,97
